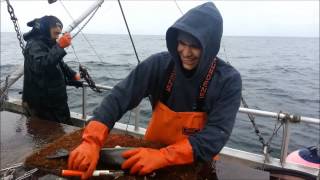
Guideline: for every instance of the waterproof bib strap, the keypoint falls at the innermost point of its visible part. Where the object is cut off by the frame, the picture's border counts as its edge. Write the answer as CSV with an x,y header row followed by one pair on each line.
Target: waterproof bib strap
x,y
170,77
167,89
204,86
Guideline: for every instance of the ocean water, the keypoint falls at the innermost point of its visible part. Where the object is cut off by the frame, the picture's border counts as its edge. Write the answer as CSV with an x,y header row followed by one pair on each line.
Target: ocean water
x,y
278,74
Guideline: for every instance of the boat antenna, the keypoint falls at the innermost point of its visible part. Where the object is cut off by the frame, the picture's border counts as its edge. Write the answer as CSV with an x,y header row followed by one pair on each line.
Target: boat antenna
x,y
125,20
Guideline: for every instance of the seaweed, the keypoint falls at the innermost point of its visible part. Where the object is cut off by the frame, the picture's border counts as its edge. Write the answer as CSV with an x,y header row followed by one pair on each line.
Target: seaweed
x,y
70,141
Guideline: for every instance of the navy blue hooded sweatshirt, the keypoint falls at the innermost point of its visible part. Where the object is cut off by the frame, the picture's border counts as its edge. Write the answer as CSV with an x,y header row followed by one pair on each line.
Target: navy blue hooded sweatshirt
x,y
149,77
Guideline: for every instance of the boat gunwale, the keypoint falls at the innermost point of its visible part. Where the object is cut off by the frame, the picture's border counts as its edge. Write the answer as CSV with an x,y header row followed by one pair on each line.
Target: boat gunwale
x,y
230,154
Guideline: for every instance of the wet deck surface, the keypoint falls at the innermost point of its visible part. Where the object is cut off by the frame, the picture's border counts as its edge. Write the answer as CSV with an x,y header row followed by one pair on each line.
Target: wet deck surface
x,y
21,136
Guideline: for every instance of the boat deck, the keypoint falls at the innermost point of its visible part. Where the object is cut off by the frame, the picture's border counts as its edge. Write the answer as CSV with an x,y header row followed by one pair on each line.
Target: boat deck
x,y
20,137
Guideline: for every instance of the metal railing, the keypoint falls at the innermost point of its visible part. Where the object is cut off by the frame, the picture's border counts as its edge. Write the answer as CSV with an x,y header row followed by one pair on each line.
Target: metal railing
x,y
288,118
236,155
102,87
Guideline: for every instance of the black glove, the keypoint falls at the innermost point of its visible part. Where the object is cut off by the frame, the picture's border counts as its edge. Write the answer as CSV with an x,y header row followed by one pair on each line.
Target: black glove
x,y
76,84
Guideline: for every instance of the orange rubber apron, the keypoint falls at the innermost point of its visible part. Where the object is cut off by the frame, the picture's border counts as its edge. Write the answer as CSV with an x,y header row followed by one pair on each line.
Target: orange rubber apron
x,y
167,126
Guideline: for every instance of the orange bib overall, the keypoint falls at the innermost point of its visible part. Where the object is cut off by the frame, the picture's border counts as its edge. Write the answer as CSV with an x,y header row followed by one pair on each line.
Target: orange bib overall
x,y
167,126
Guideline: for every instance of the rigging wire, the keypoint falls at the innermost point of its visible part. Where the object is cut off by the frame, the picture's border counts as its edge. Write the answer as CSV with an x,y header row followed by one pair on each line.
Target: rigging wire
x,y
84,36
125,20
251,116
265,144
94,48
134,48
178,7
80,29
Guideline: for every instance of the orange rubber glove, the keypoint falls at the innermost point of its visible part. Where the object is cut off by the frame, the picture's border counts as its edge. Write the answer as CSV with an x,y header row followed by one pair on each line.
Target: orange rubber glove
x,y
146,160
77,77
65,40
85,156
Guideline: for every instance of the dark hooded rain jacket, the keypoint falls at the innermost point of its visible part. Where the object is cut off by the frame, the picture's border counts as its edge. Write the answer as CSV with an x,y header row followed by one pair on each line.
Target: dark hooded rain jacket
x,y
45,78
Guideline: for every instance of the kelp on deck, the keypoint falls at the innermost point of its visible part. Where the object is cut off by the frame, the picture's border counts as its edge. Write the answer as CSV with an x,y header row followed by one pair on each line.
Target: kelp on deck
x,y
72,140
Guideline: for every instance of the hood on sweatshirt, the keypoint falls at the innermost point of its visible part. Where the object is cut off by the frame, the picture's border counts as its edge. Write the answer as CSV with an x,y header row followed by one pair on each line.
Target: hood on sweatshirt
x,y
203,22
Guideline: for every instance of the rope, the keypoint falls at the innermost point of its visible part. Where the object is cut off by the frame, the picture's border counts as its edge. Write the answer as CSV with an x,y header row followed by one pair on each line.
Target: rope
x,y
275,129
4,92
125,20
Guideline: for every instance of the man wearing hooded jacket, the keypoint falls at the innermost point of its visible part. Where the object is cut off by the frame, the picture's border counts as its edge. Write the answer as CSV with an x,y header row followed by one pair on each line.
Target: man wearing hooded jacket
x,y
45,73
194,94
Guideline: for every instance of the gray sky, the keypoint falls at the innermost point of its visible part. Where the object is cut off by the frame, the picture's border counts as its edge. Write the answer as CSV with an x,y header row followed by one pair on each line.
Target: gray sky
x,y
241,18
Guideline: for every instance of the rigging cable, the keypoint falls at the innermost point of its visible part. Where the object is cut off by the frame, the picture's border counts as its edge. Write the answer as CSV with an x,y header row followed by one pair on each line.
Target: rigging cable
x,y
80,31
83,71
134,48
125,20
266,145
178,7
83,35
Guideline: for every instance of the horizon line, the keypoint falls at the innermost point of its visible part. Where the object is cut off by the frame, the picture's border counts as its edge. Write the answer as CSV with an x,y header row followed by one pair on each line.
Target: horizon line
x,y
138,34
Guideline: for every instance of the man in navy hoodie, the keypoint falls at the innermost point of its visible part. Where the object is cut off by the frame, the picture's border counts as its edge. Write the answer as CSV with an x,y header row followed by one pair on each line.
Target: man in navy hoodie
x,y
194,94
